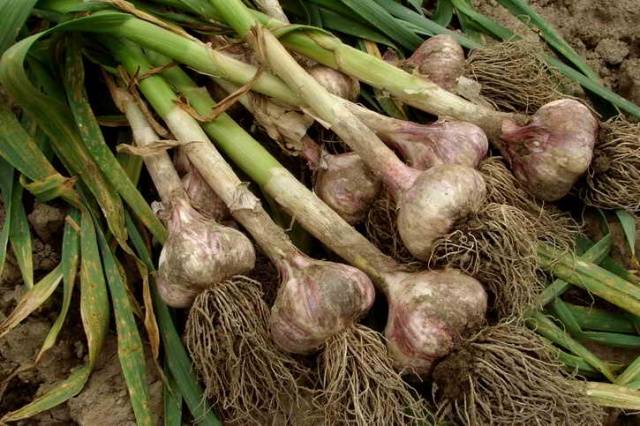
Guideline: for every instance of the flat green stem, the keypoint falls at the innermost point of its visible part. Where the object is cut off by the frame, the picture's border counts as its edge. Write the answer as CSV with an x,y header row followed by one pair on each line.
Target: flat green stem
x,y
594,254
545,327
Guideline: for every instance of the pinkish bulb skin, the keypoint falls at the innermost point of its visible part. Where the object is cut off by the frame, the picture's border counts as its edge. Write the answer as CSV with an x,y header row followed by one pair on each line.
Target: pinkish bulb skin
x,y
202,197
444,142
317,300
347,185
441,59
549,154
429,313
200,253
335,82
438,198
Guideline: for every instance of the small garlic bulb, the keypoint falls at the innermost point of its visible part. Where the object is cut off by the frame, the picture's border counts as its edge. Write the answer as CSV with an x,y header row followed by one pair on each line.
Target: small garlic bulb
x,y
347,185
336,82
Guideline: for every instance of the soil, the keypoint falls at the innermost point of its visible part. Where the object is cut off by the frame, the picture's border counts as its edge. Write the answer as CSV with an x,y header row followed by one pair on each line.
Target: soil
x,y
104,400
46,220
604,32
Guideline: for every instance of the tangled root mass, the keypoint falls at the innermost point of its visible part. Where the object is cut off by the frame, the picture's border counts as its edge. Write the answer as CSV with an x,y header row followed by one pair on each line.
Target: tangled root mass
x,y
497,246
613,180
552,227
360,386
508,375
228,338
514,76
381,230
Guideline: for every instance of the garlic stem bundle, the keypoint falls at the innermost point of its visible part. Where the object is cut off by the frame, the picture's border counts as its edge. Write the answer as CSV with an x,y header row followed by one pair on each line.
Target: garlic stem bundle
x,y
318,302
198,252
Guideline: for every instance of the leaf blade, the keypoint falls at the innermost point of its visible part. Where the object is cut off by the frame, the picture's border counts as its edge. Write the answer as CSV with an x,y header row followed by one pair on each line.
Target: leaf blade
x,y
32,299
20,235
628,223
130,348
93,140
70,261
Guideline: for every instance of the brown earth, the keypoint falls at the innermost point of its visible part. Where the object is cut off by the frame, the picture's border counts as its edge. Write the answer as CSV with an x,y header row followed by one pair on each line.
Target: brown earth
x,y
104,400
606,33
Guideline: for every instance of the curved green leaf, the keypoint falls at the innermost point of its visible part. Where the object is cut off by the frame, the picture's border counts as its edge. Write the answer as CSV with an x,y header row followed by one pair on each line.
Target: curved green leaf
x,y
70,262
379,18
14,14
628,223
20,150
130,348
54,118
6,186
93,139
32,299
20,235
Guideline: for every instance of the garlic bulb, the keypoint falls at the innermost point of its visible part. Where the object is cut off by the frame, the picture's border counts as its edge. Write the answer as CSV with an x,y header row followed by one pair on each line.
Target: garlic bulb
x,y
200,253
439,58
439,197
336,82
429,313
444,142
316,300
553,150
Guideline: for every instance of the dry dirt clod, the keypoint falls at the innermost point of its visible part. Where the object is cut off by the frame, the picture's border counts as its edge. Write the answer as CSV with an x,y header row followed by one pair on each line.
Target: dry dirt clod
x,y
629,80
46,220
612,51
18,349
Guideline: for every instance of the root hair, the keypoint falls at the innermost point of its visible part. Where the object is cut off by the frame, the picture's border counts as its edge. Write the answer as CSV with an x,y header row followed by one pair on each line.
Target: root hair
x,y
514,76
244,374
613,180
508,375
497,246
554,227
381,230
360,386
